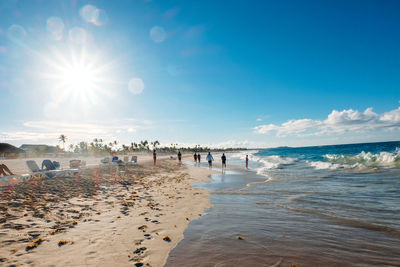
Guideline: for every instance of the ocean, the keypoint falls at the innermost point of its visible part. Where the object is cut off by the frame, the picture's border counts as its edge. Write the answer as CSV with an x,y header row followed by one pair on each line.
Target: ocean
x,y
310,206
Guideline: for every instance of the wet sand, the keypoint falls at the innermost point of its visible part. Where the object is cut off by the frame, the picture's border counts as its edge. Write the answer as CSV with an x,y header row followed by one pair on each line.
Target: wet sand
x,y
258,221
100,218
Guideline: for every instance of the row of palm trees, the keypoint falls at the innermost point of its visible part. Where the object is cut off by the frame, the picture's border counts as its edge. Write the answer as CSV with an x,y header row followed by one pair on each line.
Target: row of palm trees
x,y
99,146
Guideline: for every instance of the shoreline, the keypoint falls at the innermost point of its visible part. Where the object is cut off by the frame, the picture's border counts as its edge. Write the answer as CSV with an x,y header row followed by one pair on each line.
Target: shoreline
x,y
295,218
137,219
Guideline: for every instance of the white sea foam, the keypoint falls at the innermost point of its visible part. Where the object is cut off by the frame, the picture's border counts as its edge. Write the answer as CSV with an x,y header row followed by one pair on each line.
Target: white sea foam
x,y
265,163
363,160
322,165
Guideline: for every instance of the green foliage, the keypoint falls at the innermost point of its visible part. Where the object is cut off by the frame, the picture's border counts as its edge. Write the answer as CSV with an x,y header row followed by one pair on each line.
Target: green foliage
x,y
97,147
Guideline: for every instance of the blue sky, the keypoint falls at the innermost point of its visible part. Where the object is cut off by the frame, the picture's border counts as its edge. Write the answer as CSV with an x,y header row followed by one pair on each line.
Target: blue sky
x,y
222,73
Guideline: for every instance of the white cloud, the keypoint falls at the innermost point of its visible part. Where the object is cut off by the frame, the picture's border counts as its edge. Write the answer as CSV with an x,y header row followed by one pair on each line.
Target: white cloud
x,y
49,131
337,122
220,145
259,119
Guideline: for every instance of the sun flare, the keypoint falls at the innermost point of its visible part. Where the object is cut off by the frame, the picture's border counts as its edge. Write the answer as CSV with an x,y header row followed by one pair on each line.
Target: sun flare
x,y
79,78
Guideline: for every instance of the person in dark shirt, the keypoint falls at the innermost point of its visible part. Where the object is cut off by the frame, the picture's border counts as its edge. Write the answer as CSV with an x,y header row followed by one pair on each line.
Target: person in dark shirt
x,y
179,157
198,157
223,158
195,157
247,161
154,156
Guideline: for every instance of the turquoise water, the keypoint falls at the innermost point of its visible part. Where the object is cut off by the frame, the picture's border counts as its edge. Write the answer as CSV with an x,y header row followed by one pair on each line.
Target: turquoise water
x,y
313,206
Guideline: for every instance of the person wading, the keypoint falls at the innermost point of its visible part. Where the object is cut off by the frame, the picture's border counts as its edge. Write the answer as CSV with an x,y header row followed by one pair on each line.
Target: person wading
x,y
210,160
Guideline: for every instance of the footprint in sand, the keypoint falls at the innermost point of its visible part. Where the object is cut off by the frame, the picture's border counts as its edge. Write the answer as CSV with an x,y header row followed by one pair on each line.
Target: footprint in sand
x,y
147,236
140,250
33,234
143,228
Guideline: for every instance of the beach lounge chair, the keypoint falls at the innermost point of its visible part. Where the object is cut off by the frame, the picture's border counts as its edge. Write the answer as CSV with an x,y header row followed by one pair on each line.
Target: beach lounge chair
x,y
48,165
114,162
52,173
133,160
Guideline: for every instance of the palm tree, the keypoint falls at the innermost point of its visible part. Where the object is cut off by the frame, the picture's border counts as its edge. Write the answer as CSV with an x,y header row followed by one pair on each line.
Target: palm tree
x,y
62,138
155,144
99,143
144,144
125,148
83,146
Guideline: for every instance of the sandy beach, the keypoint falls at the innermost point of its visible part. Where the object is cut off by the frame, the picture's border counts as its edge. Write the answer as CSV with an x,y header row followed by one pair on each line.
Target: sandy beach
x,y
100,218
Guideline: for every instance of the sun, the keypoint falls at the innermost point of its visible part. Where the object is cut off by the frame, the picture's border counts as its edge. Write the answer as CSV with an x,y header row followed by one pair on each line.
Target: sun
x,y
79,78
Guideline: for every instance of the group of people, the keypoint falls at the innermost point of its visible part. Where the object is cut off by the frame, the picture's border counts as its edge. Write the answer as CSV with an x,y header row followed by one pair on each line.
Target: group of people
x,y
197,159
210,159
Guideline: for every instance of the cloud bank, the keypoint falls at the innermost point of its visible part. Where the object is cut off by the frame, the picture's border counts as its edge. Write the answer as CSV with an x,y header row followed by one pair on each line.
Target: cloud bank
x,y
44,131
337,122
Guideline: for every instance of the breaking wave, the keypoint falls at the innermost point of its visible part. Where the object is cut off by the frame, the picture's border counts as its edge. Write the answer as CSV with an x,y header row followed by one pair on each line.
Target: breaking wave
x,y
363,160
265,163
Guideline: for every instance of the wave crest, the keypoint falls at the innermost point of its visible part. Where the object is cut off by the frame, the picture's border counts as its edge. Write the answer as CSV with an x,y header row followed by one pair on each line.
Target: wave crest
x,y
363,160
266,162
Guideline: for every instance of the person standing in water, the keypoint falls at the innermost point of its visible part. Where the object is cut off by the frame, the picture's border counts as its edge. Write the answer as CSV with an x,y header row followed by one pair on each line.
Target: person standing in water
x,y
154,157
195,157
247,161
180,157
198,157
223,158
210,160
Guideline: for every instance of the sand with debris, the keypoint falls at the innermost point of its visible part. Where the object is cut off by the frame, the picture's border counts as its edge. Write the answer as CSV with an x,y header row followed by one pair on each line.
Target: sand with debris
x,y
100,217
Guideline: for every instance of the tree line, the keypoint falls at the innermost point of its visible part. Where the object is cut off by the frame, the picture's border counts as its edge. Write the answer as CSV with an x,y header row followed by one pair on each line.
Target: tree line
x,y
99,146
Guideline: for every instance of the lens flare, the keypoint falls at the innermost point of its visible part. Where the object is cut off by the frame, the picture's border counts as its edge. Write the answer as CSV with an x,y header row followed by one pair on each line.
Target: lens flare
x,y
55,28
136,86
16,33
93,15
158,34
